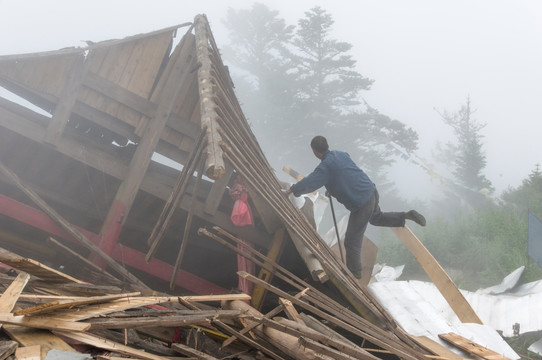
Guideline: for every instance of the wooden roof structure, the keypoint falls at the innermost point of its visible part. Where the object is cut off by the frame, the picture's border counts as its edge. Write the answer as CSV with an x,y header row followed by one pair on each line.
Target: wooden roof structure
x,y
81,169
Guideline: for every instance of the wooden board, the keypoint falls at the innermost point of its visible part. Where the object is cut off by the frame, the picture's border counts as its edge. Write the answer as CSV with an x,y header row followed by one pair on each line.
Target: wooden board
x,y
435,348
436,273
28,353
42,322
96,310
471,347
28,337
69,304
40,270
11,295
105,344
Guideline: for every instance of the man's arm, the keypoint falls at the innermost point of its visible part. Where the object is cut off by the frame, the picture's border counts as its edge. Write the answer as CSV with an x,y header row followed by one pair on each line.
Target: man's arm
x,y
315,180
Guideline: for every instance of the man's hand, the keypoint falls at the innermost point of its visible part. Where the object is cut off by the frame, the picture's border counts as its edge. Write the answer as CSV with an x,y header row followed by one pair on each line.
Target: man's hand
x,y
286,191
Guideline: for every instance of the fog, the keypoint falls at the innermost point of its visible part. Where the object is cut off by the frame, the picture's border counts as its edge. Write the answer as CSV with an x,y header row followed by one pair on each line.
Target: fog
x,y
423,55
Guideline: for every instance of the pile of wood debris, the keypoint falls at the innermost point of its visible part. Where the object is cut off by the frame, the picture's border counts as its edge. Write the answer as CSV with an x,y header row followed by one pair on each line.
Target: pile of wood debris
x,y
43,309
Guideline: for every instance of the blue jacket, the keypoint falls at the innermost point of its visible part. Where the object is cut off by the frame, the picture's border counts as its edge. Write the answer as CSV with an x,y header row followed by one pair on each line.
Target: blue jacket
x,y
342,178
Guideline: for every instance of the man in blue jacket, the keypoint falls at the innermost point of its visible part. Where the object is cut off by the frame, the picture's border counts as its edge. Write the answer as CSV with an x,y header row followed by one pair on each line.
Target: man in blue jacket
x,y
350,185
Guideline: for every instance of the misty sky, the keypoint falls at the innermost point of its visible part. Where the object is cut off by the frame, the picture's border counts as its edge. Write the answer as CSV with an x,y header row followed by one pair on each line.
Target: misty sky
x,y
422,54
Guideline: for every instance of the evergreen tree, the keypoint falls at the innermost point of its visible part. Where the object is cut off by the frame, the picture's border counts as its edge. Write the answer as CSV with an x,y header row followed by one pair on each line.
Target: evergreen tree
x,y
328,83
529,194
263,70
467,156
294,84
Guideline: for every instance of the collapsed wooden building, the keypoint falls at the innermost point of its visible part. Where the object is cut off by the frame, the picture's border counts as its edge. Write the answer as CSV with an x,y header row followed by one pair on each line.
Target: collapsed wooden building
x,y
122,170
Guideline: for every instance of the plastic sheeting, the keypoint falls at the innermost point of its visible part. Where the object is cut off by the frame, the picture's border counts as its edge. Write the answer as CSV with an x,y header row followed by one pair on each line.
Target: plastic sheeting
x,y
420,309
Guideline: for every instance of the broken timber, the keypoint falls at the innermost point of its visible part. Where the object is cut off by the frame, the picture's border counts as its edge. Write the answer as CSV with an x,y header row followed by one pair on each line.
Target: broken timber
x,y
436,273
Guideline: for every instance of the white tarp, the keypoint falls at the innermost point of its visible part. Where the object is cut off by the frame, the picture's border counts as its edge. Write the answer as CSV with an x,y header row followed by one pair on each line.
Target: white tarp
x,y
420,309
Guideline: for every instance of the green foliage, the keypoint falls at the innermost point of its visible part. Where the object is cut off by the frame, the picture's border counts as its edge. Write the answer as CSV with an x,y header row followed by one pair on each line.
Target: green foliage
x,y
465,157
529,194
477,250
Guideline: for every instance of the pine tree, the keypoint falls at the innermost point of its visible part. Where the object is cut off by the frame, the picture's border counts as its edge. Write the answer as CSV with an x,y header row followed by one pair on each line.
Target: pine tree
x,y
328,83
466,155
529,194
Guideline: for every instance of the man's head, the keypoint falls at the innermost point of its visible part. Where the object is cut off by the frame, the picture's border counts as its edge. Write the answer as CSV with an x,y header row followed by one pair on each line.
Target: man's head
x,y
319,146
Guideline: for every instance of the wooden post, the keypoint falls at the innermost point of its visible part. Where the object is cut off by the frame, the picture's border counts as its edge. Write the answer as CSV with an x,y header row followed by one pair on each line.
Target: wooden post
x,y
258,292
436,273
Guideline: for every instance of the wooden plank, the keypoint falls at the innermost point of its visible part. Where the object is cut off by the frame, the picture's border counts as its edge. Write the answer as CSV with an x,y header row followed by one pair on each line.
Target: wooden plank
x,y
40,270
106,344
68,96
7,348
188,351
214,197
11,295
436,273
168,321
435,348
69,304
96,310
471,347
44,338
290,310
28,353
40,322
274,252
267,215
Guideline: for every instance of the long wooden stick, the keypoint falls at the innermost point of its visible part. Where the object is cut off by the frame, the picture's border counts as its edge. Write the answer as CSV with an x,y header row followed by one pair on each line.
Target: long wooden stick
x,y
175,197
188,224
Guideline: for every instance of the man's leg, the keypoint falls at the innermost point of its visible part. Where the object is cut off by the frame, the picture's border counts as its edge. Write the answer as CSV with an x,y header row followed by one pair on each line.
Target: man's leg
x,y
357,224
391,219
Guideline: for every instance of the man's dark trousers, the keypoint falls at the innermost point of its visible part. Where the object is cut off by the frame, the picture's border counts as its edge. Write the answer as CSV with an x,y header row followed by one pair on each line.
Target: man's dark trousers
x,y
357,224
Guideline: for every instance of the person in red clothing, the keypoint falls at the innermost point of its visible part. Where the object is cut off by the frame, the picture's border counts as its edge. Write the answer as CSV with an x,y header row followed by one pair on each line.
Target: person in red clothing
x,y
351,186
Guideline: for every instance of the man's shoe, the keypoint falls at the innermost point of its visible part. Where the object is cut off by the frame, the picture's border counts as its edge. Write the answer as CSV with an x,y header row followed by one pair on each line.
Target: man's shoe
x,y
357,274
415,216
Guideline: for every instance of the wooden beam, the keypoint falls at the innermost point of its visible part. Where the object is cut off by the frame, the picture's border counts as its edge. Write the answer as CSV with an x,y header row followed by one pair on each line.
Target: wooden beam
x,y
68,96
274,252
39,270
214,166
43,323
436,273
